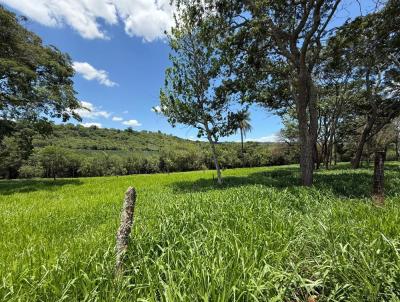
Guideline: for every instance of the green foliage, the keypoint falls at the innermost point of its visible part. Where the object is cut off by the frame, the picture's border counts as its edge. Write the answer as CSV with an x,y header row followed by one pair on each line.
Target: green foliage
x,y
35,80
15,149
30,170
258,237
191,92
53,159
106,152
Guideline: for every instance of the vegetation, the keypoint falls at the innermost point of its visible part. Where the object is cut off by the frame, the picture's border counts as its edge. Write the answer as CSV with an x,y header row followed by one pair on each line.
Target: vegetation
x,y
276,50
244,126
35,85
81,151
192,93
285,55
35,80
256,237
260,235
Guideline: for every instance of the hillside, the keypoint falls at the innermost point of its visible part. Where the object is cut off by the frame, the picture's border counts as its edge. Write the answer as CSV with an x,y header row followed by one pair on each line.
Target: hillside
x,y
74,151
93,139
124,142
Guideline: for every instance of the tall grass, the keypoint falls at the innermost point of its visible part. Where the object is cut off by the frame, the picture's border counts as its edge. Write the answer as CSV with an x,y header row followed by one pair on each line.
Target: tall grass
x,y
259,237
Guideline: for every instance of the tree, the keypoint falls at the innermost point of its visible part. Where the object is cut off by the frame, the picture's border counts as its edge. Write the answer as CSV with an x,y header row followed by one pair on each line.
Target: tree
x,y
397,138
35,80
15,149
277,46
53,160
192,94
371,45
243,123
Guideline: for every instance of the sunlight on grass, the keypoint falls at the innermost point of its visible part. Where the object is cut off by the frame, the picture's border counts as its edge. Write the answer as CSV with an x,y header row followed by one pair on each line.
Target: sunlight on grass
x,y
256,237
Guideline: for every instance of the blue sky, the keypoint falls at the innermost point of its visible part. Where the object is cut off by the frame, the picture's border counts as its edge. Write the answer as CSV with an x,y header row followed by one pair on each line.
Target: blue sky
x,y
120,56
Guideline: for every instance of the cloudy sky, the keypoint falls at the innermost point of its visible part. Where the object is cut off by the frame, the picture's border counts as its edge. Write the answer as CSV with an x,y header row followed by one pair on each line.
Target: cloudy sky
x,y
120,55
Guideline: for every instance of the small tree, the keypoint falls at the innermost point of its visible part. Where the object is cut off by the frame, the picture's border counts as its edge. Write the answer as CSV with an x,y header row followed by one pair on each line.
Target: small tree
x,y
15,149
243,125
53,160
192,94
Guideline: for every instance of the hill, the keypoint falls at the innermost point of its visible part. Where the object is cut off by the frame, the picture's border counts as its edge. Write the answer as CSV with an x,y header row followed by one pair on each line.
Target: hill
x,y
73,151
113,141
124,142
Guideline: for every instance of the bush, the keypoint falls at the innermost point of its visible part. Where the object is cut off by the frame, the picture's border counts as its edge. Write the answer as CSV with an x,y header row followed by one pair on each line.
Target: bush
x,y
28,171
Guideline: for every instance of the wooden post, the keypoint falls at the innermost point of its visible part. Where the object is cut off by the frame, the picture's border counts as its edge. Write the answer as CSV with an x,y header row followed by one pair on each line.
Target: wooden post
x,y
378,179
125,228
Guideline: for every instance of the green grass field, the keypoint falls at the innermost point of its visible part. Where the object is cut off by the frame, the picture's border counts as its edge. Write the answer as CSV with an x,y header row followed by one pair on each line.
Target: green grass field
x,y
259,237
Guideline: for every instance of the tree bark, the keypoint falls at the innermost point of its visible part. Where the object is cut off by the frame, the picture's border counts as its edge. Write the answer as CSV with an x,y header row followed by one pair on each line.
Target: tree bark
x,y
378,178
125,228
360,147
215,158
317,158
330,147
370,122
308,125
335,153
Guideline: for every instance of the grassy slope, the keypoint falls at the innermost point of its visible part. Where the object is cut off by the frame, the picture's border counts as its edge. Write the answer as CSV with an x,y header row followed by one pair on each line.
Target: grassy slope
x,y
92,140
259,237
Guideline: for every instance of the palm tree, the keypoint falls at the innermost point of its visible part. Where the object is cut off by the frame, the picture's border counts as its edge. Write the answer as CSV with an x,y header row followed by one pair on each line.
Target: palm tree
x,y
243,125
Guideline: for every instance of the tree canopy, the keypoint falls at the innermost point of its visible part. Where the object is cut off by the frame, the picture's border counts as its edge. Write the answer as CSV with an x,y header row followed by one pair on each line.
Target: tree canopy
x,y
35,80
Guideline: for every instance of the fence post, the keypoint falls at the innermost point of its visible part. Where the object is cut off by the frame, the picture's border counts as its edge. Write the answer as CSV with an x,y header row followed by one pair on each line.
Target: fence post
x,y
125,228
378,178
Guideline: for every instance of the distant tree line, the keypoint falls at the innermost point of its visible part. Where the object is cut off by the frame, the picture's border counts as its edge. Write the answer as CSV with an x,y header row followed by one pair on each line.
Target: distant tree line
x,y
71,151
55,161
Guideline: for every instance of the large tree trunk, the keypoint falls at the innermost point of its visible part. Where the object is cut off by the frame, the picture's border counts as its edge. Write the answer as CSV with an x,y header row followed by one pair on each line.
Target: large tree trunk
x,y
308,125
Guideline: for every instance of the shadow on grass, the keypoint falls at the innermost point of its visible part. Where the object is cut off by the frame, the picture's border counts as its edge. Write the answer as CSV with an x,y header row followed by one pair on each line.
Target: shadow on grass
x,y
281,177
342,181
9,187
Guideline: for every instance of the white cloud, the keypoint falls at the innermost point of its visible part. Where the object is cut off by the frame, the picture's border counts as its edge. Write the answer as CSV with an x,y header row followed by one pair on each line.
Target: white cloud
x,y
117,119
143,18
156,109
91,73
91,112
81,15
272,138
125,112
132,123
146,18
87,125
